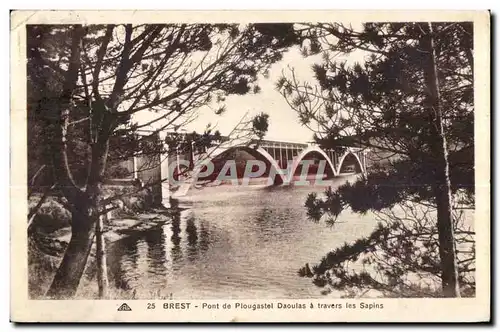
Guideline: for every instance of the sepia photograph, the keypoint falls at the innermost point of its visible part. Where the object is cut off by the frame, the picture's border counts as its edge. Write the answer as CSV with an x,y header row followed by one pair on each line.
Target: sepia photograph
x,y
251,161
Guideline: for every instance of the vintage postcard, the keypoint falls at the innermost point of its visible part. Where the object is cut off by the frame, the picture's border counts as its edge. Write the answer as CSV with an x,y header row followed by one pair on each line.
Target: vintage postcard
x,y
250,166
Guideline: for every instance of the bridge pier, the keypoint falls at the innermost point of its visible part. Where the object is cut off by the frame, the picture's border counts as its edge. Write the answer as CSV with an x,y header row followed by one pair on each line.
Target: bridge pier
x,y
282,157
286,160
164,175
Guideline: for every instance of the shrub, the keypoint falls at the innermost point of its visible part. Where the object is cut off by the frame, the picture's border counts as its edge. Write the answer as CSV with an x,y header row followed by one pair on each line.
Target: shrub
x,y
129,198
51,216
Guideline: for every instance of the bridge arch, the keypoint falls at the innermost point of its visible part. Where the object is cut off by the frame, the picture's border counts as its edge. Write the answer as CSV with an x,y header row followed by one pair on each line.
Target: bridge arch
x,y
186,185
273,163
356,157
305,152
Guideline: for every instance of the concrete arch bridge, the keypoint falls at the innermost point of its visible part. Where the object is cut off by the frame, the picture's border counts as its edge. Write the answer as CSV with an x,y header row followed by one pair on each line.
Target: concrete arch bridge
x,y
285,162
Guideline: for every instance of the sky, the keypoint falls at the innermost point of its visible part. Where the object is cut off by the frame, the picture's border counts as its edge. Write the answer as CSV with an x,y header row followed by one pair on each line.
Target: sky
x,y
284,124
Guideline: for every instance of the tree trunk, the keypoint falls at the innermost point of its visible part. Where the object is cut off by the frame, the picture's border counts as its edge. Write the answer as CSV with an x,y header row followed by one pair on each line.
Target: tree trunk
x,y
442,188
86,204
70,271
102,270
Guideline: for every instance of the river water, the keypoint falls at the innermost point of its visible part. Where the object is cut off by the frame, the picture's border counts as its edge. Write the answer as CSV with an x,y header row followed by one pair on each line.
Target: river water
x,y
232,242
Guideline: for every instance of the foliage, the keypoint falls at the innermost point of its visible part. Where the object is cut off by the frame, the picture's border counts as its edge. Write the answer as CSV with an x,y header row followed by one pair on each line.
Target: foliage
x,y
383,104
89,85
260,123
399,258
52,214
172,70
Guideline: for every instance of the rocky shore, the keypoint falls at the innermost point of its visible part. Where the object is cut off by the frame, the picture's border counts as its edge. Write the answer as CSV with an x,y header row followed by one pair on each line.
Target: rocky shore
x,y
54,243
45,249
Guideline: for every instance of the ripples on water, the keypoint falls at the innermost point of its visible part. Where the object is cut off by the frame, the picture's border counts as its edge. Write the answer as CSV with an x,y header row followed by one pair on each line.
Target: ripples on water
x,y
232,242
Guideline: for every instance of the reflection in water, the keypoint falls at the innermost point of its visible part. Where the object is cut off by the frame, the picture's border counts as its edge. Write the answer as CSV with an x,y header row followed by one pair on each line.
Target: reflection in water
x,y
192,238
204,238
176,238
155,240
122,262
231,243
